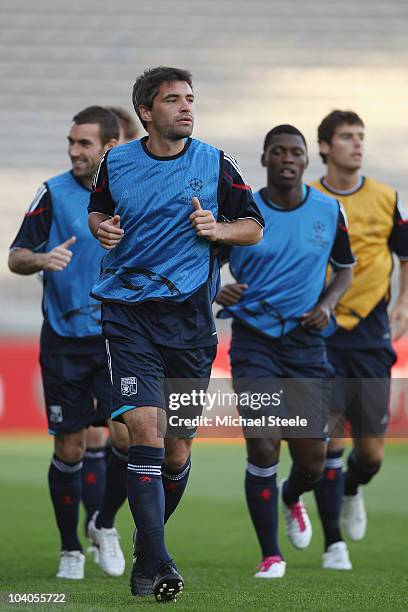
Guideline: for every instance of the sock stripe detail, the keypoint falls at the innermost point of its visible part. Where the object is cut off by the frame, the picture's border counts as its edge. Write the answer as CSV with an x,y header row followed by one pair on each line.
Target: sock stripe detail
x,y
64,467
147,470
335,463
122,456
90,454
254,470
179,476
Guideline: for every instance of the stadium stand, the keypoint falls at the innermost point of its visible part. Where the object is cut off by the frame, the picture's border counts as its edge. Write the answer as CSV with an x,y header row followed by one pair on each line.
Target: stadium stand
x,y
255,64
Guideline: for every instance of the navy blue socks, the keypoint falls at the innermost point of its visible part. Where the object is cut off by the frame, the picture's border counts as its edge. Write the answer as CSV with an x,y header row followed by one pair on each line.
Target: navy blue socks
x,y
297,484
115,488
328,493
262,499
64,480
93,480
146,501
358,473
174,484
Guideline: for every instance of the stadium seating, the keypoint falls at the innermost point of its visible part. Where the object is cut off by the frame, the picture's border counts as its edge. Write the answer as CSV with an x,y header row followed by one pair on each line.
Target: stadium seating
x,y
255,64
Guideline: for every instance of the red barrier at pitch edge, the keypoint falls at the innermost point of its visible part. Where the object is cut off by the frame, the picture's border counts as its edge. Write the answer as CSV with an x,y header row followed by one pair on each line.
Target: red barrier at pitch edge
x,y
22,404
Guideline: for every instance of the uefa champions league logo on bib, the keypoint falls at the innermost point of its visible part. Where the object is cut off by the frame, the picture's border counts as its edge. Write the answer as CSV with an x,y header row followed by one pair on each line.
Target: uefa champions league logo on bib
x,y
196,184
319,233
318,227
128,386
196,188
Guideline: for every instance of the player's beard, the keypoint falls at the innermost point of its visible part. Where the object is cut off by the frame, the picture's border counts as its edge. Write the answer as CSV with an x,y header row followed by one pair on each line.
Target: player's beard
x,y
178,132
85,171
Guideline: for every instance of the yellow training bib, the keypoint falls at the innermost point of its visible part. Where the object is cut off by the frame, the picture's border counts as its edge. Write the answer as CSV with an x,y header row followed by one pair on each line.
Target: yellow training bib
x,y
370,212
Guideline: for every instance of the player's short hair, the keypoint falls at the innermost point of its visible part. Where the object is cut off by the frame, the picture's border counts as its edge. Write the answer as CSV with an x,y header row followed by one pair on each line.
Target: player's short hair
x,y
108,124
328,126
126,122
147,85
282,129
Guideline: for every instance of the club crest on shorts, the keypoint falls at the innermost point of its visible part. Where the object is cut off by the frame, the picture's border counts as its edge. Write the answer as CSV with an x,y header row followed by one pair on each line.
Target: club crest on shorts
x,y
128,386
55,414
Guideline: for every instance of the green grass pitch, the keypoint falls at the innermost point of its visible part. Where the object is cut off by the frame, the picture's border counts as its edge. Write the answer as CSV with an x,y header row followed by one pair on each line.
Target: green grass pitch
x,y
211,539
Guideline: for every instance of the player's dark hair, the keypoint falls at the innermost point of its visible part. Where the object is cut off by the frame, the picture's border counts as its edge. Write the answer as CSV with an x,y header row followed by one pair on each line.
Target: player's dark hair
x,y
126,122
147,85
328,126
282,129
108,124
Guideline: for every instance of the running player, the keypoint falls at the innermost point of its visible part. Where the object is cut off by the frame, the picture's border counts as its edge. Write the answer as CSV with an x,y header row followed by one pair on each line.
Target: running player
x,y
157,206
361,348
98,455
54,239
280,308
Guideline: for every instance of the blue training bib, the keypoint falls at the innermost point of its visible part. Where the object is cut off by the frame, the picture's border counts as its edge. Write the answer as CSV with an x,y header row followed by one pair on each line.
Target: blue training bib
x,y
67,303
285,272
160,255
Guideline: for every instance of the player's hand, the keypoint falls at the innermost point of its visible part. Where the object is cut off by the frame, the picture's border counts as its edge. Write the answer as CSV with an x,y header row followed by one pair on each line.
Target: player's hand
x,y
318,317
203,222
230,294
60,256
109,232
399,319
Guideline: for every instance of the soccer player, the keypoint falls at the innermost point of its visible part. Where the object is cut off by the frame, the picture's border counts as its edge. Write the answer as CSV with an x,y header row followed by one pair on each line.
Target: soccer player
x,y
54,239
280,307
97,457
157,206
361,348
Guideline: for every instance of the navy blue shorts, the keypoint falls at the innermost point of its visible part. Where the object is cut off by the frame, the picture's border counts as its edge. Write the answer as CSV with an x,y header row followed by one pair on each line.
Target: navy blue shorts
x,y
295,366
361,391
77,391
145,373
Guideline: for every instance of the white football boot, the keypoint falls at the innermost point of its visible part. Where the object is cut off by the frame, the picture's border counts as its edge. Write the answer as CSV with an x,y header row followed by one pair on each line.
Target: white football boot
x,y
298,525
111,558
353,516
94,552
271,567
72,564
337,557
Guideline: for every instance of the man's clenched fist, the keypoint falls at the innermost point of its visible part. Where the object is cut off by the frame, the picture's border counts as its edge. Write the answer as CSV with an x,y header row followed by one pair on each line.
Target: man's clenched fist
x,y
109,232
203,222
60,256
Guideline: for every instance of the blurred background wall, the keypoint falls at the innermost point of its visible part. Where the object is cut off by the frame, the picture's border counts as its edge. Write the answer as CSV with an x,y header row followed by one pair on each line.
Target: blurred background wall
x,y
256,63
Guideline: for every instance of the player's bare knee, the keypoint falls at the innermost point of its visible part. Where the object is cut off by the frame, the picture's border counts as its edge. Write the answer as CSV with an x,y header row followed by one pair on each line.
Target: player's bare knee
x,y
145,437
69,454
120,437
95,437
178,452
316,466
262,452
336,444
146,426
369,451
312,467
175,462
371,456
316,472
70,447
311,473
